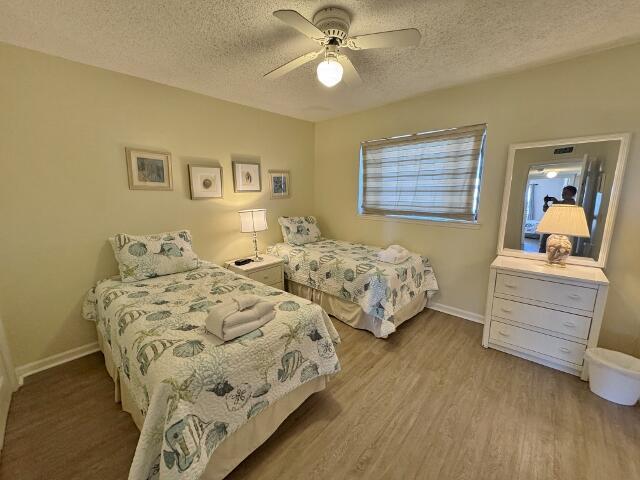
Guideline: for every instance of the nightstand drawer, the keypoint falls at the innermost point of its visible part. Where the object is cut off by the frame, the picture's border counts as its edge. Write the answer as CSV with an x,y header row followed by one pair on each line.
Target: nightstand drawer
x,y
268,275
279,285
537,342
554,320
563,294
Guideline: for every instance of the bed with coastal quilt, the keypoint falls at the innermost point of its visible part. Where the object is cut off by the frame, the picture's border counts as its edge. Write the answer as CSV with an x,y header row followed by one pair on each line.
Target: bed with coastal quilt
x,y
348,280
202,405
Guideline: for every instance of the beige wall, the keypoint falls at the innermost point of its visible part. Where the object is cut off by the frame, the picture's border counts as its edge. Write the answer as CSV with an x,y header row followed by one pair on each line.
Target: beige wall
x,y
63,184
590,95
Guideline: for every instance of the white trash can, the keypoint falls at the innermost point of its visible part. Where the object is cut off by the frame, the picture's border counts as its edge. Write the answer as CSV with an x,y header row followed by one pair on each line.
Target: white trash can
x,y
613,375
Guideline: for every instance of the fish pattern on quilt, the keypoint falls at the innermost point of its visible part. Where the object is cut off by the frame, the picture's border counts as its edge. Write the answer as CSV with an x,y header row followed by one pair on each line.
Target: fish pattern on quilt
x,y
352,272
194,391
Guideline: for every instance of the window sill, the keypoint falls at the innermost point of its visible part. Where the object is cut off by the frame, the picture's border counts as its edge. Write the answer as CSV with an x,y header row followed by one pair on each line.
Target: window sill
x,y
418,221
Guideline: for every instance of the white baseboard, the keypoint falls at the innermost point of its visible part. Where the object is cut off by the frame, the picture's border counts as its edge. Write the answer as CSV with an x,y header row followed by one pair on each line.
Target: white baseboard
x,y
54,360
5,401
457,312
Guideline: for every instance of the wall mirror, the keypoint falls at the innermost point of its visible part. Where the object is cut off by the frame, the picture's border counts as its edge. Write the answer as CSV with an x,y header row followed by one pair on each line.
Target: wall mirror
x,y
584,171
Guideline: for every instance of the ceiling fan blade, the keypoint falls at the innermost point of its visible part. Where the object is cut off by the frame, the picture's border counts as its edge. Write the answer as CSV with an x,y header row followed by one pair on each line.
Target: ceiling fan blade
x,y
293,64
349,74
395,38
297,21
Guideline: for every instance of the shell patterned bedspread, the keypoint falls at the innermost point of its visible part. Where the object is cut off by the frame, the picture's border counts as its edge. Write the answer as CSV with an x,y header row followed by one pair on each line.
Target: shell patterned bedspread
x,y
352,271
194,390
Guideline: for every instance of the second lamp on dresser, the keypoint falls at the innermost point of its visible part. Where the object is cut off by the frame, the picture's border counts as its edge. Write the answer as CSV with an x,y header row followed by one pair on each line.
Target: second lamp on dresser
x,y
551,314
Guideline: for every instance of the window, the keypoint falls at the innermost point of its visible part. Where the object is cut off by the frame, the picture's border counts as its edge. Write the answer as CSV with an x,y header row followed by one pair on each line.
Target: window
x,y
432,175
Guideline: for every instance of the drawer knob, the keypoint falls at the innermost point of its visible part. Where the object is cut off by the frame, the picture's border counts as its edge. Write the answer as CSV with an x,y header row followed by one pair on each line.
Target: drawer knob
x,y
510,285
569,324
574,296
506,310
564,350
504,334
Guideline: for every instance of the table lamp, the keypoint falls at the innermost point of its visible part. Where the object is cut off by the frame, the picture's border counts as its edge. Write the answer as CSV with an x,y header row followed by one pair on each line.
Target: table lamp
x,y
562,221
252,221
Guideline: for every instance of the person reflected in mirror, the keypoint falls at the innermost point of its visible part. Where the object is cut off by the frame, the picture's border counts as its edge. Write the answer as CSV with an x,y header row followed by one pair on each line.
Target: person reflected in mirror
x,y
568,198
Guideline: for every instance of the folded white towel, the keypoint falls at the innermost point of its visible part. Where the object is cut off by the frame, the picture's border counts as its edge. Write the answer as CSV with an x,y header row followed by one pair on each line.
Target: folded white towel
x,y
228,321
393,254
398,248
236,331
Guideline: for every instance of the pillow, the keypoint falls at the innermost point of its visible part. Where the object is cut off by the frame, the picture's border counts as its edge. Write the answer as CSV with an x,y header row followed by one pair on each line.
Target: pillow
x,y
148,256
299,230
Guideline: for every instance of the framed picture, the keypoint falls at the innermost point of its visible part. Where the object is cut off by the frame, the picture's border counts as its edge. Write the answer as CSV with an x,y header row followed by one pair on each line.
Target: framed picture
x,y
205,182
246,176
149,170
280,182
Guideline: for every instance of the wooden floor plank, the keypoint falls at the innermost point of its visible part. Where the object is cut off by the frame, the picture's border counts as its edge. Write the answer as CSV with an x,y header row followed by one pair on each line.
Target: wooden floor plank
x,y
429,402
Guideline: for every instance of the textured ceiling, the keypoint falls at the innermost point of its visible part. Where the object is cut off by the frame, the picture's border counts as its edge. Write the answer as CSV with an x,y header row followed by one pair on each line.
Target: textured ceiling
x,y
222,49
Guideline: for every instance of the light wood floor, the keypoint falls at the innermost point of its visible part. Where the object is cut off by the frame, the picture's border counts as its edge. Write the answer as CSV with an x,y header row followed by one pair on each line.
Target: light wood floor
x,y
427,403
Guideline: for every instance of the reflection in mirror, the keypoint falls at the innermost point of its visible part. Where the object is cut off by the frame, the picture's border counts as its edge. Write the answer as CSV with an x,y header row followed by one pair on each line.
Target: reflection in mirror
x,y
580,174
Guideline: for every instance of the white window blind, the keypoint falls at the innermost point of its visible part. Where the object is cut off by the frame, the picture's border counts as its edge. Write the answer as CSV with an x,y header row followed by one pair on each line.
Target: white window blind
x,y
433,174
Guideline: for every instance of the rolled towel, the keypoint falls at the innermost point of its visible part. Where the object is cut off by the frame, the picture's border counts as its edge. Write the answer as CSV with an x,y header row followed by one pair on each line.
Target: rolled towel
x,y
246,301
394,254
398,248
226,321
393,258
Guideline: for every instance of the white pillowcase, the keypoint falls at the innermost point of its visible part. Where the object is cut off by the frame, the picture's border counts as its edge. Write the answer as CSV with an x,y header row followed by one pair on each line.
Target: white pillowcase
x,y
147,256
299,230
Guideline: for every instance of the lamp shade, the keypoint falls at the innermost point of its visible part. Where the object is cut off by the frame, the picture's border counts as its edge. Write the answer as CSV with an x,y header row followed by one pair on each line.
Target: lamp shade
x,y
564,220
254,220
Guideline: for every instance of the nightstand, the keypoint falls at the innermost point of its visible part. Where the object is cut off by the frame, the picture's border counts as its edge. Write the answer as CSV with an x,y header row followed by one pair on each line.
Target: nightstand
x,y
269,271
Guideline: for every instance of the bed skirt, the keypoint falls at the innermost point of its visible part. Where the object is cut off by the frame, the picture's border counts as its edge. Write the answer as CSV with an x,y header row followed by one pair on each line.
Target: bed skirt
x,y
352,313
241,443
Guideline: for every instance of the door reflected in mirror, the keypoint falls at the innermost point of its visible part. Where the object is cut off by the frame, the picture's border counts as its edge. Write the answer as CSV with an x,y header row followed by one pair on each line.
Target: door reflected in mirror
x,y
580,174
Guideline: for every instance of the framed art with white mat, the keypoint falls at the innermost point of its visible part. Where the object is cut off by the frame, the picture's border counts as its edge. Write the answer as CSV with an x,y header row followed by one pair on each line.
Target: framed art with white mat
x,y
205,182
246,175
280,183
148,169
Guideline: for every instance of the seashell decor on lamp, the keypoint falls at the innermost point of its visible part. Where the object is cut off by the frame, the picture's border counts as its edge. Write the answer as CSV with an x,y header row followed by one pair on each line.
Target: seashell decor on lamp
x,y
562,221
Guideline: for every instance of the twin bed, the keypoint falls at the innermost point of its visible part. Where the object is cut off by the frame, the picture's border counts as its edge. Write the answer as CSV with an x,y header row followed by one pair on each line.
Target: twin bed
x,y
204,405
350,283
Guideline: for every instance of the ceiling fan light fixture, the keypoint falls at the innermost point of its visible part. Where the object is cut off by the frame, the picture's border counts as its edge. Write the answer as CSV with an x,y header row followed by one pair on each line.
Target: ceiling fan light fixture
x,y
330,72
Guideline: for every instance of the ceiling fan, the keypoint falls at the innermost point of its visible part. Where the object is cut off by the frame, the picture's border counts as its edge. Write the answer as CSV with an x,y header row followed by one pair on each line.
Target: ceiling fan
x,y
330,29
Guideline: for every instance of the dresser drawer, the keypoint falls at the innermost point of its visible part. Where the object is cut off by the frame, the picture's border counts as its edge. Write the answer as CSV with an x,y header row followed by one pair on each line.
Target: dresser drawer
x,y
538,342
563,294
561,322
268,275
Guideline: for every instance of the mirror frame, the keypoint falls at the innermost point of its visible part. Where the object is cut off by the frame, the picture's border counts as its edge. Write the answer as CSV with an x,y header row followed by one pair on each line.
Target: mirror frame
x,y
624,139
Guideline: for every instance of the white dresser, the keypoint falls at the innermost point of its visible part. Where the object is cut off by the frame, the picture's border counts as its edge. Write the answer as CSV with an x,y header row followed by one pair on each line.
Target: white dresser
x,y
545,314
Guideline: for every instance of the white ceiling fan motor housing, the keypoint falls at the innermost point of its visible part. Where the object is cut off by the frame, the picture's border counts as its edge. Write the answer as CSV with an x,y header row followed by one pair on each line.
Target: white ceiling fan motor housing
x,y
334,22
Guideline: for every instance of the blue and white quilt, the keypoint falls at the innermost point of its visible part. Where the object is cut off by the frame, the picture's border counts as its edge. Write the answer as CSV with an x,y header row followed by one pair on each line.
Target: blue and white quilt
x,y
194,390
352,272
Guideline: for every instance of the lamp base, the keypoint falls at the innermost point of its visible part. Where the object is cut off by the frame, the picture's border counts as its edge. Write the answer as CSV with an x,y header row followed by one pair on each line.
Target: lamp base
x,y
558,250
256,257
